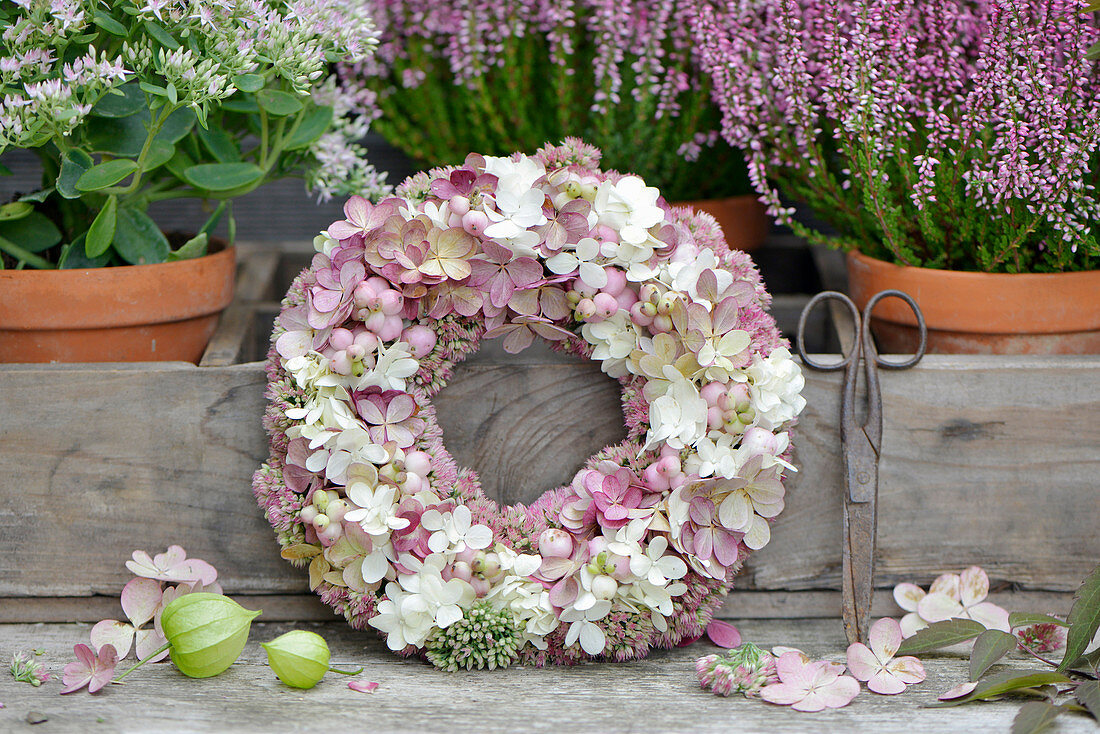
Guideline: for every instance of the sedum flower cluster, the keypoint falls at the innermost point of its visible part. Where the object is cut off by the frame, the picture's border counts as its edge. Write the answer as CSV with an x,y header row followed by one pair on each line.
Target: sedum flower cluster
x,y
745,670
128,102
957,134
484,638
638,549
509,76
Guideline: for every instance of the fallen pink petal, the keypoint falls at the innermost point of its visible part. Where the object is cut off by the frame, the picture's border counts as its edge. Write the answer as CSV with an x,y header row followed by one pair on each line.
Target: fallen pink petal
x,y
363,686
810,686
89,669
723,634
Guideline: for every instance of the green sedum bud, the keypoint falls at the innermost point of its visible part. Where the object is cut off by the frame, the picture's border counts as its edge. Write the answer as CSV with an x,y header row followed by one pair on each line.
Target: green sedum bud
x,y
300,658
206,632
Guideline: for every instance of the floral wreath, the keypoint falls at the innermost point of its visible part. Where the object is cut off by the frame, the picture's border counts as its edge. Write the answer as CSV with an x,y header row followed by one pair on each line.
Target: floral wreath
x,y
640,549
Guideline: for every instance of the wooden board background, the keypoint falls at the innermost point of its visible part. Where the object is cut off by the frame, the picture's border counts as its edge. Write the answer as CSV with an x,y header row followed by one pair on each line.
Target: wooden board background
x,y
985,460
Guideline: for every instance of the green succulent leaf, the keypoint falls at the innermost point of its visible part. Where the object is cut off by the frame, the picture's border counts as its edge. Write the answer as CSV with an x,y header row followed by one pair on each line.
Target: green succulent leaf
x,y
989,647
15,210
122,101
1035,717
102,231
220,144
106,174
249,82
1026,619
1083,619
74,256
245,105
109,24
278,103
939,635
314,123
138,240
223,176
192,248
1006,682
163,37
125,136
38,196
33,231
74,164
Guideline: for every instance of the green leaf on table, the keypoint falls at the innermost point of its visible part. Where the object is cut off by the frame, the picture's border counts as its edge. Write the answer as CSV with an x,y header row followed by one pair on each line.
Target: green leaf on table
x,y
939,635
138,240
192,248
1006,682
163,37
106,174
1035,717
34,232
122,101
1088,694
1026,619
1083,619
1088,663
249,82
102,231
74,164
989,647
109,24
223,176
15,210
278,103
220,144
313,125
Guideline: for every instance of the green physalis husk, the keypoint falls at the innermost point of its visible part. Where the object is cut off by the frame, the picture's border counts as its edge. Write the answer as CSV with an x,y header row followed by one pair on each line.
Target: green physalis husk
x,y
300,658
205,632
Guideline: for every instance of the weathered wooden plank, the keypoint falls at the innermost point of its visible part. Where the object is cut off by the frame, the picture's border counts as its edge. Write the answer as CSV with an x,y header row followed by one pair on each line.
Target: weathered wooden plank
x,y
986,460
659,693
741,603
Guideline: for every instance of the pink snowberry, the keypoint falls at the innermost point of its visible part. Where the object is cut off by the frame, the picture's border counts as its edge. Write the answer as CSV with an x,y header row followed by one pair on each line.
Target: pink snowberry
x,y
555,543
421,339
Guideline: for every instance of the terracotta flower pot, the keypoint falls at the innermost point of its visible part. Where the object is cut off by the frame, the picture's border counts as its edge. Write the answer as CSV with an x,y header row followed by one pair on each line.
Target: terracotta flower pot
x,y
743,219
136,313
981,313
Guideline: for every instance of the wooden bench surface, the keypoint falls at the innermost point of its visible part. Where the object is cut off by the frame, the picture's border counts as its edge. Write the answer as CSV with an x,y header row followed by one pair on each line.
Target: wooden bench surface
x,y
657,694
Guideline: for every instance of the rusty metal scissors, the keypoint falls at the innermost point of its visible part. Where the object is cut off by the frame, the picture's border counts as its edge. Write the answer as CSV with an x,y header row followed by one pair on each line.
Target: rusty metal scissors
x,y
862,445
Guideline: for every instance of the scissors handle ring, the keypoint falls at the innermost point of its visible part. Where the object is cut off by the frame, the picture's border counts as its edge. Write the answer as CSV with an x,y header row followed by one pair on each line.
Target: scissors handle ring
x,y
853,353
886,363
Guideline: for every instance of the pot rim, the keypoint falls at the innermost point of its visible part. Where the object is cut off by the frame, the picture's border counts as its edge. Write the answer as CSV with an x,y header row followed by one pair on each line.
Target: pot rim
x,y
127,295
972,302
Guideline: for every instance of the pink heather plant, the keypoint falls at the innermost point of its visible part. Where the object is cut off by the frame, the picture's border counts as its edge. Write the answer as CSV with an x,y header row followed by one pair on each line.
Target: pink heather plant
x,y
957,134
450,78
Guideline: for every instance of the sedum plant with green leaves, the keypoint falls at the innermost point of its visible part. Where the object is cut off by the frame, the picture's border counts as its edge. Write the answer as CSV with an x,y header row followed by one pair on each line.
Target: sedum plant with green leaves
x,y
130,102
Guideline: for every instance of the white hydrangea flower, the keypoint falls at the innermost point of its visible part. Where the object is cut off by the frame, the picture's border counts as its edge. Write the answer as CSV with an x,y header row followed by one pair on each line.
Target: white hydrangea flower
x,y
629,207
583,258
444,600
405,618
518,204
684,271
529,602
613,340
679,417
714,456
454,530
775,386
653,565
375,509
581,627
391,367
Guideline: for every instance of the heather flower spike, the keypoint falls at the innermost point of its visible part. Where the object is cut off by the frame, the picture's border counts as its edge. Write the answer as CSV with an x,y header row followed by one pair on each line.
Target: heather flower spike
x,y
877,665
806,685
973,587
91,669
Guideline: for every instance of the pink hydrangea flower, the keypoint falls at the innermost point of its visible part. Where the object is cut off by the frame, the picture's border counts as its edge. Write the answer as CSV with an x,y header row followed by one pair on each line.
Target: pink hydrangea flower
x,y
807,685
969,603
141,599
390,416
362,217
876,665
90,669
499,273
172,566
698,531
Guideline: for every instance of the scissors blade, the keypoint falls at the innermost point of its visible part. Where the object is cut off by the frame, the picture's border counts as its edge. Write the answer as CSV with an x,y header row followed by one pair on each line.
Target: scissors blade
x,y
858,568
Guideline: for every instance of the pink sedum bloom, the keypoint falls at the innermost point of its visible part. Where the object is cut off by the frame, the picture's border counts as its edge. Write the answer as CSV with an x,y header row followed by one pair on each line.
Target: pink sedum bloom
x,y
90,669
876,665
806,685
